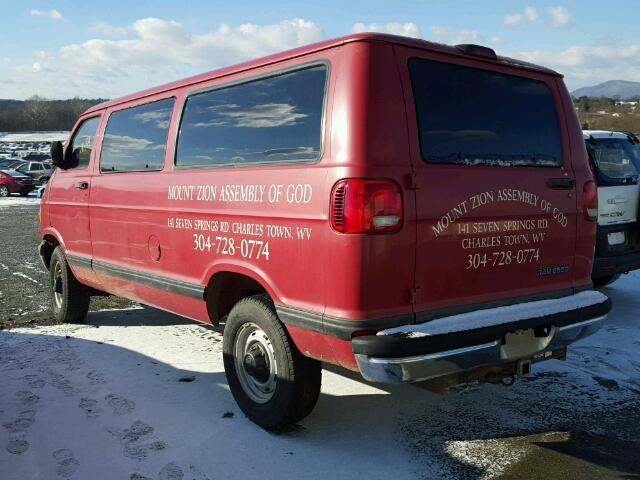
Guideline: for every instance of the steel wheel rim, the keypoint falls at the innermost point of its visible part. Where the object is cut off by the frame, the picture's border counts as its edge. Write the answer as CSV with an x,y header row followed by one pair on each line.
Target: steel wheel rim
x,y
57,285
4,191
255,363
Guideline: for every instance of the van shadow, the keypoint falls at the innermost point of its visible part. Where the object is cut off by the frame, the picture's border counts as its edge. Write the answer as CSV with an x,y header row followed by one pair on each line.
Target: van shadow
x,y
139,316
128,403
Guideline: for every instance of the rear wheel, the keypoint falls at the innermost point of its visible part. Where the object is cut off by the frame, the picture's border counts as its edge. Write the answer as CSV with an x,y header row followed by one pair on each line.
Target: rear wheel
x,y
69,298
605,280
272,382
4,191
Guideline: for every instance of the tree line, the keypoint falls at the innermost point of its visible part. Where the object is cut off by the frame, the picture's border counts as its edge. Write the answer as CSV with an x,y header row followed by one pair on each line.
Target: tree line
x,y
37,113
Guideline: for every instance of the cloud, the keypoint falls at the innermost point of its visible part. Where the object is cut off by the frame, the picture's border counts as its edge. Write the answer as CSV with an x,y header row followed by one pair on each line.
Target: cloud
x,y
529,15
161,42
102,28
35,67
409,29
155,51
455,36
257,116
52,14
560,16
585,65
159,118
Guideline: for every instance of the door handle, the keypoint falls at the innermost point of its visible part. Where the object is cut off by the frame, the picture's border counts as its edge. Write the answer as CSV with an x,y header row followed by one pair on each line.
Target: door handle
x,y
82,185
561,183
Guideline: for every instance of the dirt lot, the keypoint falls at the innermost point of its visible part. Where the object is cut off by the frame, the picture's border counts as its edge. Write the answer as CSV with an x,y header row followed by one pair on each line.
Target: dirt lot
x,y
24,297
140,394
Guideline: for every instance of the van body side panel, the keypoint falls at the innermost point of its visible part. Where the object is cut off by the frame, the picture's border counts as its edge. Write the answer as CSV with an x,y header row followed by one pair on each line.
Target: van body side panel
x,y
69,210
185,224
370,275
265,221
585,230
127,212
488,232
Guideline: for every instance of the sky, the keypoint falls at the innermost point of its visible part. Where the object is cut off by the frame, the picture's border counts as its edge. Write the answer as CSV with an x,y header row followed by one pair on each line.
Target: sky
x,y
63,49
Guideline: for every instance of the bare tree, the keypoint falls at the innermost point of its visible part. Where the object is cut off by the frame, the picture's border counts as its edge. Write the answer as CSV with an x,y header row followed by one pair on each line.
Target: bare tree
x,y
36,109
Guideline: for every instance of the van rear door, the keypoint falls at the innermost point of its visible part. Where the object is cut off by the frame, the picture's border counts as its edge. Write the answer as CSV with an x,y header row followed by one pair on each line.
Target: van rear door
x,y
495,189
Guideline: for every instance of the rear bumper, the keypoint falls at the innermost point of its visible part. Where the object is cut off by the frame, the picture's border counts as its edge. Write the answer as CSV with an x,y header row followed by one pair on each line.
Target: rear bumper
x,y
24,189
405,357
617,264
614,259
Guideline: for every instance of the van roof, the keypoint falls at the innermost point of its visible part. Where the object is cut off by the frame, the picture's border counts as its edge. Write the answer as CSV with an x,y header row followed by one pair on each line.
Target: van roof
x,y
314,47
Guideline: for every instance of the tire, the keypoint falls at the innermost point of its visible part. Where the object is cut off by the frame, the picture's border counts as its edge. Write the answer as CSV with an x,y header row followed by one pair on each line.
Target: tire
x,y
599,282
272,382
4,191
43,181
69,298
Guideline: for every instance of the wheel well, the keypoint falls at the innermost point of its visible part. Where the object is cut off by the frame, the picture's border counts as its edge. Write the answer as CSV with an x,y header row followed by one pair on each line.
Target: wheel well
x,y
49,245
225,289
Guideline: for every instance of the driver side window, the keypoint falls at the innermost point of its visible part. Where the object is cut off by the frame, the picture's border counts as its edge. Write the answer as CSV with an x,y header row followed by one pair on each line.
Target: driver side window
x,y
82,143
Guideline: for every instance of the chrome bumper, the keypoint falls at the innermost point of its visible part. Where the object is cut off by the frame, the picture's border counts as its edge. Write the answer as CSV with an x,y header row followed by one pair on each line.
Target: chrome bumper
x,y
433,365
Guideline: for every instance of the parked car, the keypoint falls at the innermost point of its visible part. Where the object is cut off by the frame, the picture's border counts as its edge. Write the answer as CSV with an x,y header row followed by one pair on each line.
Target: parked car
x,y
615,157
10,164
40,171
404,209
15,182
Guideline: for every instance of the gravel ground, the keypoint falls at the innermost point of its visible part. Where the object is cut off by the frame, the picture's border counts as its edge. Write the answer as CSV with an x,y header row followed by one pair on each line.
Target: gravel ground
x,y
24,283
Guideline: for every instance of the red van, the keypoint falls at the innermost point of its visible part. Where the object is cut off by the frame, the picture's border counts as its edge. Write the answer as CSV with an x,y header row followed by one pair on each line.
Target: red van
x,y
408,210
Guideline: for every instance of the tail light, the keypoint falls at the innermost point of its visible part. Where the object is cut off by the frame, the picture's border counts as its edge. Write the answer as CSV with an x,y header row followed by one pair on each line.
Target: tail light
x,y
366,206
590,200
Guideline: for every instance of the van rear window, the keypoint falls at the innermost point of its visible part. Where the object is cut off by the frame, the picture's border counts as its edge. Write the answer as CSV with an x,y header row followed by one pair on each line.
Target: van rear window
x,y
615,158
472,116
274,119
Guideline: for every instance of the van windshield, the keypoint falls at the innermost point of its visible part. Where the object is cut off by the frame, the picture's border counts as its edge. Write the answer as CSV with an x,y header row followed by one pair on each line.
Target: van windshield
x,y
617,158
473,116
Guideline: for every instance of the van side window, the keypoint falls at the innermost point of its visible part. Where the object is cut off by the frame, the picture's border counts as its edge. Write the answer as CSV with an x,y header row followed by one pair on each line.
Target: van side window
x,y
135,138
274,119
472,116
82,143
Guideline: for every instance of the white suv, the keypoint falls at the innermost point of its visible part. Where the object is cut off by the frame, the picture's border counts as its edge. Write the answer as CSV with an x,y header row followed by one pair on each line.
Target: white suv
x,y
615,157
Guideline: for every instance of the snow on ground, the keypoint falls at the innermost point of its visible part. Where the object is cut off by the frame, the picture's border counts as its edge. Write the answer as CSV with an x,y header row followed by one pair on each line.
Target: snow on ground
x,y
16,201
141,394
61,136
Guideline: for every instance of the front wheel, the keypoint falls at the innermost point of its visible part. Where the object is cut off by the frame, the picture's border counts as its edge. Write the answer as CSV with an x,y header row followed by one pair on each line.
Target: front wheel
x,y
272,382
69,298
605,280
4,191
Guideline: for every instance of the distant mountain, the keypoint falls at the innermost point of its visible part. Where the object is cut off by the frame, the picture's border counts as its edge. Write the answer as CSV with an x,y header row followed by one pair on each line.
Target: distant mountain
x,y
613,89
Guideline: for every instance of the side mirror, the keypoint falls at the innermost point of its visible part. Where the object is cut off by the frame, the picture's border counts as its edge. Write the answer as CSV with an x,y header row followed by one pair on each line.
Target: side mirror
x,y
57,155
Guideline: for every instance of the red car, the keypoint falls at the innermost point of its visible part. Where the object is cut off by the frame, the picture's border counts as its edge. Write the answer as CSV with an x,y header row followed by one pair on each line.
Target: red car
x,y
12,181
404,209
